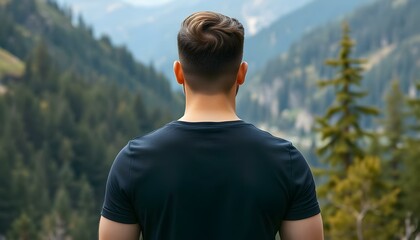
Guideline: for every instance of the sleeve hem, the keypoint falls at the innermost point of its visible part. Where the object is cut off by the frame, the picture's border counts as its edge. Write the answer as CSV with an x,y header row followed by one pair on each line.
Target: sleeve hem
x,y
304,214
117,217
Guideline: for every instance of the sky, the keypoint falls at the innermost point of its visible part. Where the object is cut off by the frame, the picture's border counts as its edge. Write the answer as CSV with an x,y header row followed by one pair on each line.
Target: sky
x,y
77,5
146,2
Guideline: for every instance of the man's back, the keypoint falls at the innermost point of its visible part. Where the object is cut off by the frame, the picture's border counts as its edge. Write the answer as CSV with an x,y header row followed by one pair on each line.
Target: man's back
x,y
210,175
209,180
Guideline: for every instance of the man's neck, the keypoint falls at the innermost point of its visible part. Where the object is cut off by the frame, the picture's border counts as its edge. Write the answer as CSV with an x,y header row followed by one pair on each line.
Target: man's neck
x,y
209,108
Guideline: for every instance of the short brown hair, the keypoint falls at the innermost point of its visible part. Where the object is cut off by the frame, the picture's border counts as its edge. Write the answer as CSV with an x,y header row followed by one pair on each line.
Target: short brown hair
x,y
210,48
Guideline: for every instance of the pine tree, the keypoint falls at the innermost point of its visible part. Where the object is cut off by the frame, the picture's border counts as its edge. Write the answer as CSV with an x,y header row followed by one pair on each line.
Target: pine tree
x,y
56,224
364,203
393,150
21,9
39,199
84,220
394,130
40,72
7,203
22,228
340,127
410,181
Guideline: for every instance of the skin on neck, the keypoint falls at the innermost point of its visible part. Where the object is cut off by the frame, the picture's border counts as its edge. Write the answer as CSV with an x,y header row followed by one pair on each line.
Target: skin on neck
x,y
218,107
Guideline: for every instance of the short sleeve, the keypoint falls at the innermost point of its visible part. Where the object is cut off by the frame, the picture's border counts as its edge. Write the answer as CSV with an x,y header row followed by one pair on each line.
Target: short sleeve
x,y
303,203
118,202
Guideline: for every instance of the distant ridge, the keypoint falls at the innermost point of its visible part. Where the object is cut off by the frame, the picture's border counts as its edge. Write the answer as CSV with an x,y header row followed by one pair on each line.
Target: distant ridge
x,y
284,92
277,38
150,32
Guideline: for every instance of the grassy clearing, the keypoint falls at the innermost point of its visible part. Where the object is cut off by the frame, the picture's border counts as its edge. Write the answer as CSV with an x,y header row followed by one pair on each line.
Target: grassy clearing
x,y
3,2
10,65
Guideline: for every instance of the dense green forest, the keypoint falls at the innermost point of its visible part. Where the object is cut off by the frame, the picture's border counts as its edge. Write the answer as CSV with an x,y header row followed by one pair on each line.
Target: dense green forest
x,y
68,104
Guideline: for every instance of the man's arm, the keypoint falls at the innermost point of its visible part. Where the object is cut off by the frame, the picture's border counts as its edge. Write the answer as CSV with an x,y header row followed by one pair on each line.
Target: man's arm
x,y
305,229
110,230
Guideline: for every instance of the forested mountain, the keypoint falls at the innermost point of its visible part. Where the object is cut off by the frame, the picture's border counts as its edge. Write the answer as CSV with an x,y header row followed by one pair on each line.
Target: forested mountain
x,y
278,36
156,27
74,49
68,104
285,90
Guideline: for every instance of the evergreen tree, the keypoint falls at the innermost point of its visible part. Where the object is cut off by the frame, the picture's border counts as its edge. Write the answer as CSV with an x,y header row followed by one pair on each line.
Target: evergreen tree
x,y
38,194
56,225
393,150
364,203
394,129
22,228
410,181
340,127
7,202
21,9
85,219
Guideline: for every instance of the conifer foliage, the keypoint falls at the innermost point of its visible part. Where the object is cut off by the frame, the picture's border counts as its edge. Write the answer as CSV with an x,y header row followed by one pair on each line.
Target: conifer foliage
x,y
76,104
340,127
394,129
357,202
410,180
363,203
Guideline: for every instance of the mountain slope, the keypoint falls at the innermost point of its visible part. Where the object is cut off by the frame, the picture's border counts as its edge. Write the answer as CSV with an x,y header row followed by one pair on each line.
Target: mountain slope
x,y
278,37
68,104
74,48
285,91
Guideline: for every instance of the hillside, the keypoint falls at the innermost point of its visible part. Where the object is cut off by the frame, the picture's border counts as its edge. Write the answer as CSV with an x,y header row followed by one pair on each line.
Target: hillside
x,y
284,93
278,36
25,22
68,104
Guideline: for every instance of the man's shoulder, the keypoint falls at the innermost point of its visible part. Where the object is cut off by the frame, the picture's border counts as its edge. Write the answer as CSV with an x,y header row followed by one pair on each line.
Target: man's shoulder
x,y
173,131
149,139
266,137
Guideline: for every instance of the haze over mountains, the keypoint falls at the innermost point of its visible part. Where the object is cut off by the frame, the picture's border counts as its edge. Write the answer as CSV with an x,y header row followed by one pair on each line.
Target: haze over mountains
x,y
150,32
286,57
285,94
278,36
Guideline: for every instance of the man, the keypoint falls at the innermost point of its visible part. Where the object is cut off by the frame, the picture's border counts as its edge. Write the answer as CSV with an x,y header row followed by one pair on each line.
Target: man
x,y
210,175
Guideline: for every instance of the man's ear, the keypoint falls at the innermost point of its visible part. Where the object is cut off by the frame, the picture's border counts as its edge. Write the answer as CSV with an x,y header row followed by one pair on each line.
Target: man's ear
x,y
179,74
240,77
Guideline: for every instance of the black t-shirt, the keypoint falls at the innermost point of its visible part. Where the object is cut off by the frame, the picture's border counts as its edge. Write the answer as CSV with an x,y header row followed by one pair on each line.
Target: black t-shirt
x,y
209,180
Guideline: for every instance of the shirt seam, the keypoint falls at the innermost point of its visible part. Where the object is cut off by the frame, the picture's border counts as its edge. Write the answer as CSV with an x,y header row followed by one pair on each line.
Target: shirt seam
x,y
210,126
130,186
291,186
129,179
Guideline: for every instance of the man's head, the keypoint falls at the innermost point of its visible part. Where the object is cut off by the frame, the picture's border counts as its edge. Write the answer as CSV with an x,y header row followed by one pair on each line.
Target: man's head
x,y
210,48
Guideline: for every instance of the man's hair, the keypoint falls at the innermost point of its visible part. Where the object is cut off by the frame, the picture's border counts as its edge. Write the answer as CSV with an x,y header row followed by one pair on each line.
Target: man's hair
x,y
210,48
